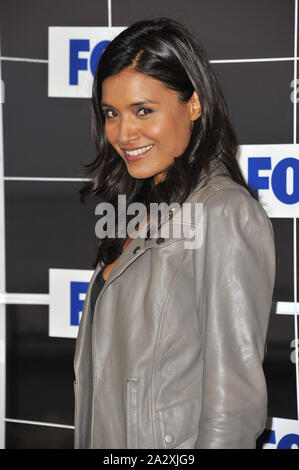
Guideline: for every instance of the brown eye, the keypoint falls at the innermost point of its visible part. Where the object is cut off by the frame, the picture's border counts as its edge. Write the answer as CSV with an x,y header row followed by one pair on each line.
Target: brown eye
x,y
147,111
106,111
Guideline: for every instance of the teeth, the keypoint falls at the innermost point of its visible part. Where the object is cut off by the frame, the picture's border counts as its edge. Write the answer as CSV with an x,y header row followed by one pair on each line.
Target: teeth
x,y
139,151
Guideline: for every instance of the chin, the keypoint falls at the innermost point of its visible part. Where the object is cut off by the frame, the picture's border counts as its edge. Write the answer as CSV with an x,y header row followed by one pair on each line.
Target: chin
x,y
139,174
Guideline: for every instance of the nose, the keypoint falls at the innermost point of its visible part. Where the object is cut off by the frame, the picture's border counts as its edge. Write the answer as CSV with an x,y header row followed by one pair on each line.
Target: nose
x,y
127,131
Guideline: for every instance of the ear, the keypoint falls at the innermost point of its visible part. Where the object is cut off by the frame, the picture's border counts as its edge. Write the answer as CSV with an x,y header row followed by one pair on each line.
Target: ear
x,y
195,107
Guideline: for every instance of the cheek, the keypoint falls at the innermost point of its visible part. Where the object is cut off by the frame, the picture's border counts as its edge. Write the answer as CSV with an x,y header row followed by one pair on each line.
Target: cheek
x,y
173,134
153,130
161,132
109,133
181,132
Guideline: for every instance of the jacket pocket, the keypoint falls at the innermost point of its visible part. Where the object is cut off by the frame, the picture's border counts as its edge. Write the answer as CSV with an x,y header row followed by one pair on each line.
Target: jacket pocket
x,y
189,442
179,424
131,401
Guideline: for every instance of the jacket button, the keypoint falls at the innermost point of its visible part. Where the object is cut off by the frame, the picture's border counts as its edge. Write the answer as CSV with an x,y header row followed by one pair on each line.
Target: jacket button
x,y
169,438
136,250
160,240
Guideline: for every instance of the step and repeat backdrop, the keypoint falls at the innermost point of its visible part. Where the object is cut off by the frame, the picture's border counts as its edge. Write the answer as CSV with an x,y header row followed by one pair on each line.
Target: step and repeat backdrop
x,y
49,51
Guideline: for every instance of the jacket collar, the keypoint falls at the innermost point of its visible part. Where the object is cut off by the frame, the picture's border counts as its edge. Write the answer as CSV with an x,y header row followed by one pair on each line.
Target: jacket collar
x,y
187,221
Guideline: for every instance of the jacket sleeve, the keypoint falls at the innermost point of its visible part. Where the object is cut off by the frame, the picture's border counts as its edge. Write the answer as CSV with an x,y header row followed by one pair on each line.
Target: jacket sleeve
x,y
234,303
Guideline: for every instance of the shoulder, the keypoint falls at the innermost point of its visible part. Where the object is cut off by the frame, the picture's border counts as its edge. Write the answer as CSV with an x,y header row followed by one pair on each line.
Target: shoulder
x,y
224,200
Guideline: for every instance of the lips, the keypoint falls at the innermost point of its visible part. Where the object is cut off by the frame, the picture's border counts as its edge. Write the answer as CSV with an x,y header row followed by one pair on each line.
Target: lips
x,y
138,153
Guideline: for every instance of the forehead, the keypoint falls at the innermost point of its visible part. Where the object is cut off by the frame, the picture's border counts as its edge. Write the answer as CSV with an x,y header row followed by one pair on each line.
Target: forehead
x,y
129,85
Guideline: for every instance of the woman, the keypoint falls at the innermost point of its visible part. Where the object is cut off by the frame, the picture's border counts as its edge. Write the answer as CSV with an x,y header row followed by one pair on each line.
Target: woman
x,y
171,341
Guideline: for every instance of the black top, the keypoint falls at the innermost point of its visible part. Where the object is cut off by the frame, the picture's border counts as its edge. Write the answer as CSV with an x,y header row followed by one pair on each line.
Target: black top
x,y
96,288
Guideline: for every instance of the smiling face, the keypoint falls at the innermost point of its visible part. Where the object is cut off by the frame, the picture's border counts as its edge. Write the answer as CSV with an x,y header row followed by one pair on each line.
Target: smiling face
x,y
147,120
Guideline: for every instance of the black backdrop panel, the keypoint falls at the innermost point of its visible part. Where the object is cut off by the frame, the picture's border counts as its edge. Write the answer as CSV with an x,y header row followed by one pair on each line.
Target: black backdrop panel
x,y
258,98
26,436
280,371
40,373
46,227
284,246
24,25
230,29
42,136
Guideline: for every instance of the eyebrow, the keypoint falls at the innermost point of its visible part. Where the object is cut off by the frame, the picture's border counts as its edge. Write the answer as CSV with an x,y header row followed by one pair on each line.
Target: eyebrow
x,y
133,104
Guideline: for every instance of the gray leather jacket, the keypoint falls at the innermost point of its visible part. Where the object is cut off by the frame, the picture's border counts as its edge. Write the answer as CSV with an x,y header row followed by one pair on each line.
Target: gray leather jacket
x,y
173,356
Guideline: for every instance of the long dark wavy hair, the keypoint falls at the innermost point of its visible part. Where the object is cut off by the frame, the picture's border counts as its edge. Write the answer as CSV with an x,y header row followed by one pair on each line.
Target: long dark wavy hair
x,y
164,49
